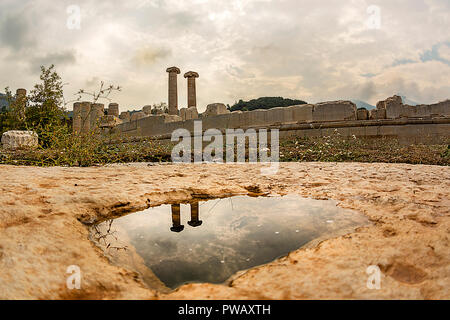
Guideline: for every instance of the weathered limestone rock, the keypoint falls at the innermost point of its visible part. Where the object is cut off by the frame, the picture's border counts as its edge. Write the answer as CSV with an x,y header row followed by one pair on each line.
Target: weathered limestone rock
x,y
235,119
171,118
85,111
334,111
276,115
441,109
215,109
147,110
16,139
258,117
302,113
393,107
362,114
109,121
21,103
191,113
173,91
97,112
138,115
191,95
76,124
183,113
113,109
373,114
125,116
381,107
436,110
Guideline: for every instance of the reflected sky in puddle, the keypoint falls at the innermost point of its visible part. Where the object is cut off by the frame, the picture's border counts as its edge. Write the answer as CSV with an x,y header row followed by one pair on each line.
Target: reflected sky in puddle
x,y
209,241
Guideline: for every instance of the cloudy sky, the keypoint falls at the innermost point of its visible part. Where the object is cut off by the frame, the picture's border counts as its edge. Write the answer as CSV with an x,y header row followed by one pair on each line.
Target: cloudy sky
x,y
315,50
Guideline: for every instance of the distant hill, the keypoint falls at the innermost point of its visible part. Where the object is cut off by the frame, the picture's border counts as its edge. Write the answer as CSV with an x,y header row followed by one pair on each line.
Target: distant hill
x,y
264,103
362,104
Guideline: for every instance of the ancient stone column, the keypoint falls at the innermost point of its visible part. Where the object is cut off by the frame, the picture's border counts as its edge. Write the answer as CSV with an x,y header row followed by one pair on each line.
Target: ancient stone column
x,y
113,109
192,95
85,117
21,102
97,112
195,222
176,219
21,92
173,91
76,124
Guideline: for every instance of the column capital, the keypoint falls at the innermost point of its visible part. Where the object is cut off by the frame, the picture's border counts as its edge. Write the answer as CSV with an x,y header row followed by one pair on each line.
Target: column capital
x,y
191,74
173,69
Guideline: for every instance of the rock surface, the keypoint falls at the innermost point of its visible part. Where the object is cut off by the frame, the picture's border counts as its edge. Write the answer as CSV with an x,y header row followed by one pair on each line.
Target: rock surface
x,y
215,109
16,139
43,211
334,111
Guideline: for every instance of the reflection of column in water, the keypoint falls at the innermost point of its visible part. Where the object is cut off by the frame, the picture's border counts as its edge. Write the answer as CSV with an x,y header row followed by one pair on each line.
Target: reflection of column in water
x,y
176,219
195,222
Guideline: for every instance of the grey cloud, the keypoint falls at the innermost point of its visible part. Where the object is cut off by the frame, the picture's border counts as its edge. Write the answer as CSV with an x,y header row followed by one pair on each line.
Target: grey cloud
x,y
367,91
16,32
147,56
65,57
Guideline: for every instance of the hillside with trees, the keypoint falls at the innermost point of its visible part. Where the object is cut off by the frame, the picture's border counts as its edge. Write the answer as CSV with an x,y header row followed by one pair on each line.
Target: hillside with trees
x,y
264,103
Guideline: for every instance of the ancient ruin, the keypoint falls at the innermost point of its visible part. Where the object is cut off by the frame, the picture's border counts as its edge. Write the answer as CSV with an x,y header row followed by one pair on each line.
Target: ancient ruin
x,y
17,139
393,118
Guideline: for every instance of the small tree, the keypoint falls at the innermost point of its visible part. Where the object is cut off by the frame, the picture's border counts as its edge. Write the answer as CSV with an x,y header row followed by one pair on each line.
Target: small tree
x,y
160,108
14,118
45,113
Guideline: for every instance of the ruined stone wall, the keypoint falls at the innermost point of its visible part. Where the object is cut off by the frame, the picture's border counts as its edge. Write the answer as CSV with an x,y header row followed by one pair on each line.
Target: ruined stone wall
x,y
307,119
88,117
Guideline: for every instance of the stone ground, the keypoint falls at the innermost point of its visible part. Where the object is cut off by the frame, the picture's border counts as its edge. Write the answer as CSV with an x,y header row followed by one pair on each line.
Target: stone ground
x,y
41,230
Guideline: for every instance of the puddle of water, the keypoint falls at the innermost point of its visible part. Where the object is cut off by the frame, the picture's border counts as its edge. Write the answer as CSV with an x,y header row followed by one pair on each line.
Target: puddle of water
x,y
208,241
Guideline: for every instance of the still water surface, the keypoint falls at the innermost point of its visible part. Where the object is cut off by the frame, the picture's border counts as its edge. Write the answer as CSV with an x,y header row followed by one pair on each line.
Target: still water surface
x,y
208,241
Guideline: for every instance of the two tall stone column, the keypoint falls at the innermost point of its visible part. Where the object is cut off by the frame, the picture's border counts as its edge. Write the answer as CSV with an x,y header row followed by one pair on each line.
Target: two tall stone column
x,y
173,90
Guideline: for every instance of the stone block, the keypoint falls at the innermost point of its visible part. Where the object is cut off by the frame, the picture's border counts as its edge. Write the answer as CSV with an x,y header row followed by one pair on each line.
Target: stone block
x,y
16,139
362,114
235,120
191,113
183,113
215,109
138,115
147,109
302,113
259,117
334,111
394,108
441,109
109,121
171,118
278,115
97,112
125,116
113,109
